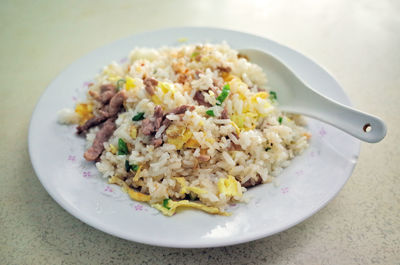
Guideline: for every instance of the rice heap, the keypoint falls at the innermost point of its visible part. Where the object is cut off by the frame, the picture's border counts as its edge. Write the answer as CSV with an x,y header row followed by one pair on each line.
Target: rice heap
x,y
195,126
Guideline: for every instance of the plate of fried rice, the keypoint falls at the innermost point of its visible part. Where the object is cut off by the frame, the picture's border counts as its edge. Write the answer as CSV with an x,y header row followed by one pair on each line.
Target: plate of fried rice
x,y
174,138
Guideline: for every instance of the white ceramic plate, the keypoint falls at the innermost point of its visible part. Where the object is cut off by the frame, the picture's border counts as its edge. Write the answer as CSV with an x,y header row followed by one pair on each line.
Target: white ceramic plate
x,y
306,186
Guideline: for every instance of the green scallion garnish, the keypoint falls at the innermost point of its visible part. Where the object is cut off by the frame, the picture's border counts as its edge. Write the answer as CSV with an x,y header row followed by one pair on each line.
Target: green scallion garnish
x,y
272,95
280,120
129,167
138,117
165,203
120,83
210,112
122,147
224,94
195,54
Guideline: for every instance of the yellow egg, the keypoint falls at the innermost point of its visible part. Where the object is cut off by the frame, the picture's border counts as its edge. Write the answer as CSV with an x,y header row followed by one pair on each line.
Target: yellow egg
x,y
229,186
137,196
192,143
133,131
130,83
238,120
85,111
156,99
186,189
137,175
113,149
176,137
173,205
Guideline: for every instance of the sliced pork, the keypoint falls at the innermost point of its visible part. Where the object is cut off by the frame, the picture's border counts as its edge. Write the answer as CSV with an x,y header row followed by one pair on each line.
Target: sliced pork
x,y
102,136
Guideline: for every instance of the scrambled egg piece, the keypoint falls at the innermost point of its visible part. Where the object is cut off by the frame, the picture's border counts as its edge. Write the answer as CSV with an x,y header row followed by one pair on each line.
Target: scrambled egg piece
x,y
156,99
229,186
254,106
130,83
191,143
164,88
137,175
113,149
133,132
186,189
173,205
178,135
137,196
85,112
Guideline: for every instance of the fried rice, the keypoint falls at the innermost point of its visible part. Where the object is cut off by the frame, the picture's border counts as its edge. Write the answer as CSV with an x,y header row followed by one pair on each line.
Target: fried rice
x,y
195,126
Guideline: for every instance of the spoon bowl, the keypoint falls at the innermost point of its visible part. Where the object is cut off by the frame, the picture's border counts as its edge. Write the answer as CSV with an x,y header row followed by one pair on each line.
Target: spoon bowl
x,y
295,96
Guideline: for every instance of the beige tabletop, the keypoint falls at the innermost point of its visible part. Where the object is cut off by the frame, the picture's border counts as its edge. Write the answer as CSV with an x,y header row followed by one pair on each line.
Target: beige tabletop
x,y
357,41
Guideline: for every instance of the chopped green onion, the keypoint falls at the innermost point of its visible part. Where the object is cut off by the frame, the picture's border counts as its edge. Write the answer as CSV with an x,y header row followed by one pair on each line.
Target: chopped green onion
x,y
267,149
224,94
280,120
210,112
272,95
165,203
129,167
138,117
122,147
119,83
195,54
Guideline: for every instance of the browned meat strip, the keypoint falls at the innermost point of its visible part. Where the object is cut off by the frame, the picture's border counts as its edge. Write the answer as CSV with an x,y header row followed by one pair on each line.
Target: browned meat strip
x,y
199,97
150,83
115,105
224,114
101,136
151,126
158,117
106,112
224,69
252,182
147,127
166,122
203,158
181,109
90,123
107,92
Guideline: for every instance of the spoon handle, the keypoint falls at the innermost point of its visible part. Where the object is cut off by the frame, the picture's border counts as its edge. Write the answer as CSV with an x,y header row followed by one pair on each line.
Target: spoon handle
x,y
361,125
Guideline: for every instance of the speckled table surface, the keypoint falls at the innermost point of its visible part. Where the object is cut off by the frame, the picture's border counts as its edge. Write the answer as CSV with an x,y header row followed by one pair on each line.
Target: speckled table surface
x,y
357,41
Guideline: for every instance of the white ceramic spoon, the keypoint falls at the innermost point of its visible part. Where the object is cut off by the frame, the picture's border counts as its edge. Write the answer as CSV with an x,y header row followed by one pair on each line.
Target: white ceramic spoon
x,y
296,97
